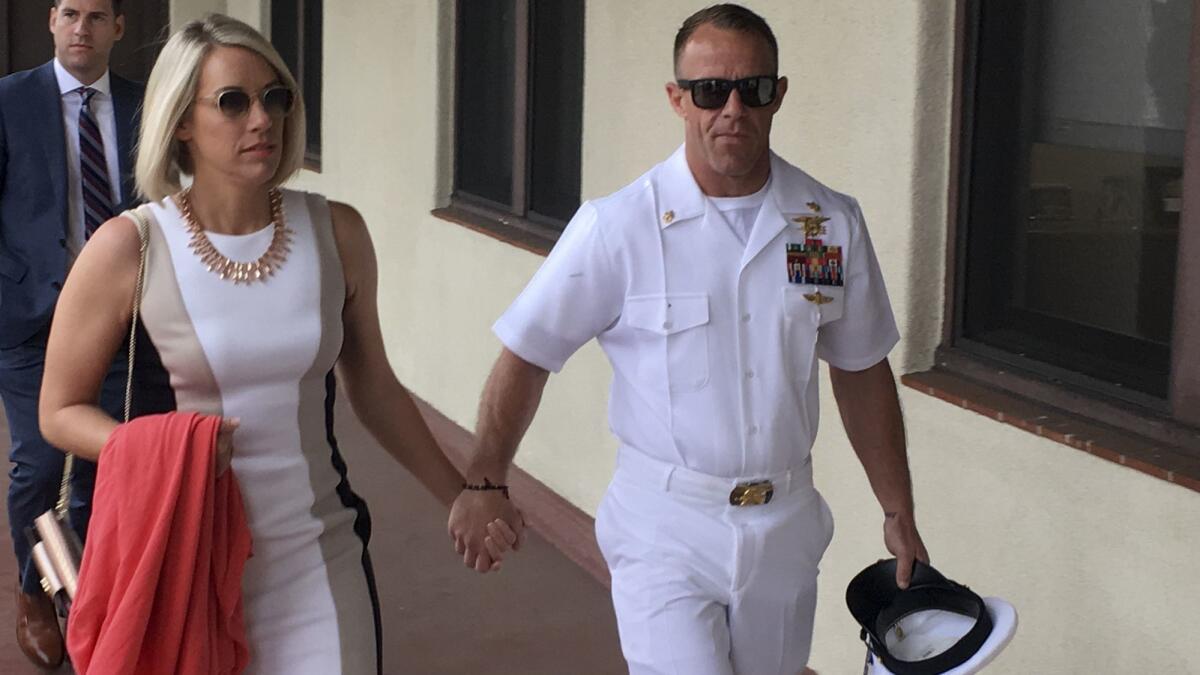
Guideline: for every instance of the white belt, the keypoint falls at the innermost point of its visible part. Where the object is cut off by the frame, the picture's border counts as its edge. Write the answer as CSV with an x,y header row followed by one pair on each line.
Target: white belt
x,y
638,467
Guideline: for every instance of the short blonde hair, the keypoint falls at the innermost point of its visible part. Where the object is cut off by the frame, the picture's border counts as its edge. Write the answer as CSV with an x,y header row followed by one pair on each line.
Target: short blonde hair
x,y
161,159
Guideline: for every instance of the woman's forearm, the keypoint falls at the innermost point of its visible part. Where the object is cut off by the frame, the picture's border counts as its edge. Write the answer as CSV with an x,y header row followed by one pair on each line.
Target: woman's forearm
x,y
81,430
388,411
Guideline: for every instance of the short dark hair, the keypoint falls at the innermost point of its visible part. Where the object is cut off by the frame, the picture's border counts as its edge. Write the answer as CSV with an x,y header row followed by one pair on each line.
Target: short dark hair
x,y
729,17
116,6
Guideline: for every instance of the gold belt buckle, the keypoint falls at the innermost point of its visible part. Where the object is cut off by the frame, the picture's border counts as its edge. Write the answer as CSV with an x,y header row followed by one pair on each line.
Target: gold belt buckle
x,y
755,493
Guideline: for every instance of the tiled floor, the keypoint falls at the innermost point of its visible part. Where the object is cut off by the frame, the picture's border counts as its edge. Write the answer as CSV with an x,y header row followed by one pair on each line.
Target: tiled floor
x,y
541,615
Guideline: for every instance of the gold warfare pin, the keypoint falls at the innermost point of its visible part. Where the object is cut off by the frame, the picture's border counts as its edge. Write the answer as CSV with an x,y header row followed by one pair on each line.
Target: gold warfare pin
x,y
818,298
812,223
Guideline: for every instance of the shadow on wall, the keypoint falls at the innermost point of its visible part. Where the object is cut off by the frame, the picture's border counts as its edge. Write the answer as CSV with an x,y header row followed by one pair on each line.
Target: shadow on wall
x,y
444,164
930,180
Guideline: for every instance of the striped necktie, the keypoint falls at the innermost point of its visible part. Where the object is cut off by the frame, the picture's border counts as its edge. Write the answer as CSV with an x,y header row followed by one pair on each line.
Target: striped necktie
x,y
93,168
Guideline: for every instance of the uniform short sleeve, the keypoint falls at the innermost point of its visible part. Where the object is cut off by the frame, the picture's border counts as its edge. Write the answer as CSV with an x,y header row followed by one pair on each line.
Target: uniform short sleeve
x,y
572,298
866,331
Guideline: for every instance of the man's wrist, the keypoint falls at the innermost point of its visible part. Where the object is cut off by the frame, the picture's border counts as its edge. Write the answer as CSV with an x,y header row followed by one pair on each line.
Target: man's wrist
x,y
489,470
486,486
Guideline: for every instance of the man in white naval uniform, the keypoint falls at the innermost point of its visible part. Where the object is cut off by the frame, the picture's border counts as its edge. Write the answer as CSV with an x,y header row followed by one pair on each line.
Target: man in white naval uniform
x,y
713,283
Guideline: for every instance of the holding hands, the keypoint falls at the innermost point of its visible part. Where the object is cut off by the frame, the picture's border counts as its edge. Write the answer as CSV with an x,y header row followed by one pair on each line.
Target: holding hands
x,y
485,525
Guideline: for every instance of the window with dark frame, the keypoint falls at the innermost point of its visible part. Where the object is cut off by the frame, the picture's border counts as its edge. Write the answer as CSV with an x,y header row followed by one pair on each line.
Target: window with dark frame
x,y
1072,187
297,32
519,111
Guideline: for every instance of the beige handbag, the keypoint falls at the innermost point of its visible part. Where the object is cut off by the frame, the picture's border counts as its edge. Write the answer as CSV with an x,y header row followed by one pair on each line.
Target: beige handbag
x,y
56,549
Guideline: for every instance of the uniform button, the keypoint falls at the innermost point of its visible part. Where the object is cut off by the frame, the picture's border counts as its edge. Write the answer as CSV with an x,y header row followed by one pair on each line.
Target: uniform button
x,y
62,243
752,430
746,318
55,285
749,374
667,325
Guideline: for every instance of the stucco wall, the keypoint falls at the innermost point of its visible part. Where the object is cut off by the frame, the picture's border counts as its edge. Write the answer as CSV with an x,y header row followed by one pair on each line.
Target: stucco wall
x,y
183,11
1098,559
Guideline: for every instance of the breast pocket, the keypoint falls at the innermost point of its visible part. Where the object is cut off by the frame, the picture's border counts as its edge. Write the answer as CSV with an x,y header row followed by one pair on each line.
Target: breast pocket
x,y
802,319
674,327
820,304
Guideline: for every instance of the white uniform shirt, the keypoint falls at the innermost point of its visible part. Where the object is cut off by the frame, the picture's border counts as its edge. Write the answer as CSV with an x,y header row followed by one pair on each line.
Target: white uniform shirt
x,y
102,110
713,348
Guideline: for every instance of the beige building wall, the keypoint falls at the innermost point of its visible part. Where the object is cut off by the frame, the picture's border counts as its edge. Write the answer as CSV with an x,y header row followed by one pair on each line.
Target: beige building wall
x,y
1099,560
254,12
257,13
183,11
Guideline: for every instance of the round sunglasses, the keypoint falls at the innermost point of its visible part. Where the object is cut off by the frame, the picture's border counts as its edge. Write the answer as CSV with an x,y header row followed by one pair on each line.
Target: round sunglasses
x,y
712,93
276,99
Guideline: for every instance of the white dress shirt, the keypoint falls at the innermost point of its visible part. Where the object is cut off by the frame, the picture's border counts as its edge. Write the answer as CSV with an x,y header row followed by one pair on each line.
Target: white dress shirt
x,y
102,110
714,349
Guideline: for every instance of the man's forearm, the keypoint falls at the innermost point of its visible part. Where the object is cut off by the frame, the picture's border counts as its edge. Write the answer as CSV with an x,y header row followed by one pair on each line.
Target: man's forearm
x,y
870,410
510,399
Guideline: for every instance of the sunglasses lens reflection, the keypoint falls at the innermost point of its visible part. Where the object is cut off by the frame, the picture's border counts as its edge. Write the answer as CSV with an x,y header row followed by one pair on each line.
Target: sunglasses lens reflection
x,y
754,92
711,93
277,101
233,102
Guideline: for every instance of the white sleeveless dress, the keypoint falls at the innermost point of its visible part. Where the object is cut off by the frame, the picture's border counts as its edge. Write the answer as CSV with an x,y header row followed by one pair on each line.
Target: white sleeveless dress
x,y
265,353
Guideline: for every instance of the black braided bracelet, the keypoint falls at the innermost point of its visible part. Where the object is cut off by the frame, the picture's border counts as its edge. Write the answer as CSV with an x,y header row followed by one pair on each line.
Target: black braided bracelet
x,y
487,486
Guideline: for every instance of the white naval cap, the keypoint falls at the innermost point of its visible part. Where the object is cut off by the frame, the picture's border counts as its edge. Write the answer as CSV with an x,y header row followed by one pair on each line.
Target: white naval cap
x,y
934,627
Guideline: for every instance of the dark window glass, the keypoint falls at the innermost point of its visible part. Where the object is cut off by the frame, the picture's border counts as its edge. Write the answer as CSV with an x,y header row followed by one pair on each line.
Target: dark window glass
x,y
486,53
557,108
285,32
519,110
313,50
296,32
1075,184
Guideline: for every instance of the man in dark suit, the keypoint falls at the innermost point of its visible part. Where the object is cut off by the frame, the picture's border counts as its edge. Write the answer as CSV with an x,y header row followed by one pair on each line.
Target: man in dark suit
x,y
66,132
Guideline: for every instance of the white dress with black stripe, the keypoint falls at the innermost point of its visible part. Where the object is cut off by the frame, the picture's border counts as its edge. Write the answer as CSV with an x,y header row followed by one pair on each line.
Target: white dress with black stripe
x,y
265,353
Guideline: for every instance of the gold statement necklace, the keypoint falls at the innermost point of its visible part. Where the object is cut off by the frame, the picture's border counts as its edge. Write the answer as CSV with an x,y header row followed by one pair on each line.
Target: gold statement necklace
x,y
233,270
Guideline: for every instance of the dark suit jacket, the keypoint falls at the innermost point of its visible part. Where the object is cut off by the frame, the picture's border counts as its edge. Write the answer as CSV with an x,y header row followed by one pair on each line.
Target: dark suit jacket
x,y
33,193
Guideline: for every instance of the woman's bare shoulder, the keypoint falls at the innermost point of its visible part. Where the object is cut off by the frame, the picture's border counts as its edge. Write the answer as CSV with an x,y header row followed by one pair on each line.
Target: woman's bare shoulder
x,y
116,241
350,230
112,253
346,219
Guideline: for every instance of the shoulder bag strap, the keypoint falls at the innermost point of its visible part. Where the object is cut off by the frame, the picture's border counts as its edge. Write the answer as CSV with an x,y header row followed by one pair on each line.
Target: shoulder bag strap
x,y
143,226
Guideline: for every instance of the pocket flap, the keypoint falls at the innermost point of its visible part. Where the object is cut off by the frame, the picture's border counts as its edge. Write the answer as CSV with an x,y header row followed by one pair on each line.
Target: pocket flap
x,y
667,314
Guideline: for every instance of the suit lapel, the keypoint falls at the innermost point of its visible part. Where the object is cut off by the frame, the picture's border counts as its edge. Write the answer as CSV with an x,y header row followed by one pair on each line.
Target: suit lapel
x,y
126,109
47,120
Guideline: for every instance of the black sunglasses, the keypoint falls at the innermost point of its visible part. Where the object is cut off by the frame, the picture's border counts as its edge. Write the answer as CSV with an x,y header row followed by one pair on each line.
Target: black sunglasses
x,y
712,93
277,100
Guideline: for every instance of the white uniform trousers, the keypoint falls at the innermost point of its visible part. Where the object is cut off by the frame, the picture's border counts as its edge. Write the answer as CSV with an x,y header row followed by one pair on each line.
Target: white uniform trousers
x,y
701,587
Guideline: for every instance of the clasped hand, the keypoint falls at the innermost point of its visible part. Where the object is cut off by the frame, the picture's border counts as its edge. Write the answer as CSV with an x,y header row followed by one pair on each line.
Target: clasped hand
x,y
485,526
224,452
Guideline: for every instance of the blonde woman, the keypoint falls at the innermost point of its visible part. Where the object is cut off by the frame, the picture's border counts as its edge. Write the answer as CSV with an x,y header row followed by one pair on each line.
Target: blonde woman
x,y
253,295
